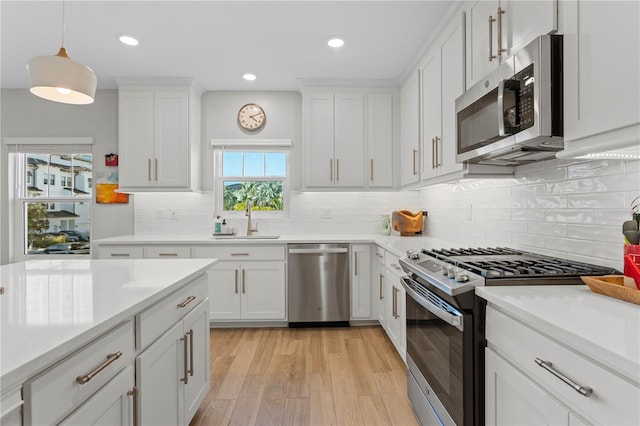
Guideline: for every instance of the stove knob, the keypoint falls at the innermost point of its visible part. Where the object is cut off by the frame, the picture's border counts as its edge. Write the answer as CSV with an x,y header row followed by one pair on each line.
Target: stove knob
x,y
451,272
462,277
444,270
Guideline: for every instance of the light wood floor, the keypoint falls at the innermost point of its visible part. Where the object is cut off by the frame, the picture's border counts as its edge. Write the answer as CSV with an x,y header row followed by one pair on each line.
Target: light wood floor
x,y
313,376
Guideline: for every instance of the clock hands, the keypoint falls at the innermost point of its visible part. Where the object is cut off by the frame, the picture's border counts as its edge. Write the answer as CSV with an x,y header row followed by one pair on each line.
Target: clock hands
x,y
254,116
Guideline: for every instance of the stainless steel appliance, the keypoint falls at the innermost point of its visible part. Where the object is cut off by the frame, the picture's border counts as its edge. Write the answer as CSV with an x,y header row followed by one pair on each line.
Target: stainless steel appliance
x,y
445,322
514,115
318,281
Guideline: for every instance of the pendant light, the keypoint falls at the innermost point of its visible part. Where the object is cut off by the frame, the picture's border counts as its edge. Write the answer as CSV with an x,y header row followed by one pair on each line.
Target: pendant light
x,y
58,78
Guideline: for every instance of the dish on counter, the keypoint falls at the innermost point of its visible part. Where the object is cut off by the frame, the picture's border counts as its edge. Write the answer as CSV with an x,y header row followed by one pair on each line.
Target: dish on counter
x,y
612,286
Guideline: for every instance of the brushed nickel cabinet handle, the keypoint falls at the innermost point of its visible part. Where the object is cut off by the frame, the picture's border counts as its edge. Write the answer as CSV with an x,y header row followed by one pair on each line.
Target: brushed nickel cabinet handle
x,y
491,21
120,254
239,254
433,153
185,348
168,254
371,169
186,301
149,169
355,258
381,278
337,170
414,161
190,334
437,152
393,302
236,275
331,170
90,375
134,393
501,12
243,281
548,365
156,169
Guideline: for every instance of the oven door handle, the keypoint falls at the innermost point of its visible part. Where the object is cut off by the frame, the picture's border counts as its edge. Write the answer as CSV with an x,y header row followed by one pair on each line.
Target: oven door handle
x,y
453,320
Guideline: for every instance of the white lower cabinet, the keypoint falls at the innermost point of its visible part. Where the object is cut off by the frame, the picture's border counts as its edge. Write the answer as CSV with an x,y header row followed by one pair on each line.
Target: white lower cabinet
x,y
173,373
111,405
361,281
395,313
247,290
378,288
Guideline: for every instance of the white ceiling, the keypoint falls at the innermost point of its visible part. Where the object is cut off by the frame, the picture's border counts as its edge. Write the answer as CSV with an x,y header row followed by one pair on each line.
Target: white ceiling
x,y
215,42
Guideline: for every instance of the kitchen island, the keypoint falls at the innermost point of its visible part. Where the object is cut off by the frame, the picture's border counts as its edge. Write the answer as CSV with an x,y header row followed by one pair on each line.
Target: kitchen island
x,y
560,355
58,315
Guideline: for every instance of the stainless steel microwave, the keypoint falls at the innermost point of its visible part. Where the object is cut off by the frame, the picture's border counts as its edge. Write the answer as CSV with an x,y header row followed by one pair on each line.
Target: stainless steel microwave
x,y
514,115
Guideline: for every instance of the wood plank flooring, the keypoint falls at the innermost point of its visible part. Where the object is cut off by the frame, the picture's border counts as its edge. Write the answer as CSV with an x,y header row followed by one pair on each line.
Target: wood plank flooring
x,y
312,376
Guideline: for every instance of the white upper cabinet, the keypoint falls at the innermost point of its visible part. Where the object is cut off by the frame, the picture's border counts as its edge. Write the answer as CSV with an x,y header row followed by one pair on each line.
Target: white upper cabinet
x,y
410,130
348,139
442,77
158,141
601,74
496,29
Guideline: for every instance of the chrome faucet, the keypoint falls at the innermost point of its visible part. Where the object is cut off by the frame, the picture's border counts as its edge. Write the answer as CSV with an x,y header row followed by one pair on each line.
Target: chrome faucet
x,y
247,213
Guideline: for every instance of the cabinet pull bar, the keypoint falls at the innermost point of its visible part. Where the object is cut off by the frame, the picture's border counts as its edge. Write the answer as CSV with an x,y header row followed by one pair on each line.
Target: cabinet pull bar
x,y
156,169
433,153
90,375
414,162
371,169
134,393
239,254
190,333
331,170
491,21
437,155
355,257
337,170
236,273
548,365
149,169
185,348
243,281
186,301
120,254
168,254
501,12
393,302
381,277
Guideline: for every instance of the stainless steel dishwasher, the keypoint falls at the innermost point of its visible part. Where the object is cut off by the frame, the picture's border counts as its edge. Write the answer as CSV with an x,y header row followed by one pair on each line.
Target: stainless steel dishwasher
x,y
318,281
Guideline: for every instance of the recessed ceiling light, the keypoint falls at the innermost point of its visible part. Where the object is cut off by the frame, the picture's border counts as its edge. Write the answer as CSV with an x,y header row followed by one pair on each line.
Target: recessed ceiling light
x,y
335,41
128,39
249,76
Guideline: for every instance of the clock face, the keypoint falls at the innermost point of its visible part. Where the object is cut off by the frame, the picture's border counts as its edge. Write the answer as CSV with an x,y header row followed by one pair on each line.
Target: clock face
x,y
251,117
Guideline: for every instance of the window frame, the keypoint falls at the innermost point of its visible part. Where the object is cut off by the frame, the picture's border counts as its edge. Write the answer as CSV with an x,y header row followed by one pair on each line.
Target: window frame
x,y
218,182
18,185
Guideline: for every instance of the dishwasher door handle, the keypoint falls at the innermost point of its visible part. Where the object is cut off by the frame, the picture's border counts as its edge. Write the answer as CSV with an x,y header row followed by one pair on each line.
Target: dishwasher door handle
x,y
318,251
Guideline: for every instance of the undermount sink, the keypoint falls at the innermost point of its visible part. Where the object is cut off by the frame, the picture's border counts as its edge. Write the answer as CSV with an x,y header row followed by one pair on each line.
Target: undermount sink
x,y
245,237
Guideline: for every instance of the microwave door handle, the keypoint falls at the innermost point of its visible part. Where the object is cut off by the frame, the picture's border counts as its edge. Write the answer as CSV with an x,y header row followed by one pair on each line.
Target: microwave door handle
x,y
504,85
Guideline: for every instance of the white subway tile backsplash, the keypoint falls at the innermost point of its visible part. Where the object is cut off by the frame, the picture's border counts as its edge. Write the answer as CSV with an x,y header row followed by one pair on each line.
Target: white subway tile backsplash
x,y
595,168
569,216
544,228
528,214
596,233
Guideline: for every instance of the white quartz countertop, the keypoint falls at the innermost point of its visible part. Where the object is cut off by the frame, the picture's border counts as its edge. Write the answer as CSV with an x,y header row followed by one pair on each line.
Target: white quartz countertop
x,y
605,329
394,243
51,307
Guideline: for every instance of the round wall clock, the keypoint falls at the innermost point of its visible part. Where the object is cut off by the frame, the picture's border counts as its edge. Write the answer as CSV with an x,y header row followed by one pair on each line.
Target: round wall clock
x,y
251,117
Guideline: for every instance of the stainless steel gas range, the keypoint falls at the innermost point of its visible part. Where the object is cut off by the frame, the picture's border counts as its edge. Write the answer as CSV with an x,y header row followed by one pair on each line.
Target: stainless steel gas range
x,y
445,322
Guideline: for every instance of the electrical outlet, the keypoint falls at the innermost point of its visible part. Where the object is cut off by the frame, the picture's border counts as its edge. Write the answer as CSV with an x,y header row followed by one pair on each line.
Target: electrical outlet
x,y
173,215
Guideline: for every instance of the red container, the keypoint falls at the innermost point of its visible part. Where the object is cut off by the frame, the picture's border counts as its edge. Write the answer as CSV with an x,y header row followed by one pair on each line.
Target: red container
x,y
632,262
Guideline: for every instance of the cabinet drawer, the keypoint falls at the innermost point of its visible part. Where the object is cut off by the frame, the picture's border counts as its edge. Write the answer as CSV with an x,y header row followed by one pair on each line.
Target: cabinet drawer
x,y
57,391
120,252
613,401
391,262
156,320
167,252
240,253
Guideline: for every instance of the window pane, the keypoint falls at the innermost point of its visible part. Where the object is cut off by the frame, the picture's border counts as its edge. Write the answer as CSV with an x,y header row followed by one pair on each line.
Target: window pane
x,y
57,228
253,164
232,164
58,175
37,175
276,164
81,172
264,195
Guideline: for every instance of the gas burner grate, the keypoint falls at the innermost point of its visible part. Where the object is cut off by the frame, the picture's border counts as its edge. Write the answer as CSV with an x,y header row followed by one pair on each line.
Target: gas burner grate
x,y
486,251
531,268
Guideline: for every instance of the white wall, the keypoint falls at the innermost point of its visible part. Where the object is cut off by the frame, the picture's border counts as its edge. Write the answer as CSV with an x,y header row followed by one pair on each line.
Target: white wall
x,y
571,210
24,114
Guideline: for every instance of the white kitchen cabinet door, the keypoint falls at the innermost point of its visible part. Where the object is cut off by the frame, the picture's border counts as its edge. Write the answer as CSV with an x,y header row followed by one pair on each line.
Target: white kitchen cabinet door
x,y
523,21
512,398
481,35
378,297
263,291
111,405
431,114
601,69
395,313
224,291
136,138
318,140
196,325
410,130
380,140
349,140
158,373
361,281
171,148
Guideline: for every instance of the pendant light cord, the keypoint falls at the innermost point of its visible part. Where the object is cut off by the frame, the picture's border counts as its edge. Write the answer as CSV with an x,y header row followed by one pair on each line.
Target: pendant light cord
x,y
63,23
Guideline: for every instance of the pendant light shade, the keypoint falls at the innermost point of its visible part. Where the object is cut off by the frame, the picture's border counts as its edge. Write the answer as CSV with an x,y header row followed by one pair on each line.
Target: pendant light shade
x,y
59,78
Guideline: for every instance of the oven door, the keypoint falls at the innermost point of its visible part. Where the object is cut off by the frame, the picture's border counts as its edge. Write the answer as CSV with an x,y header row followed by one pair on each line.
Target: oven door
x,y
435,347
